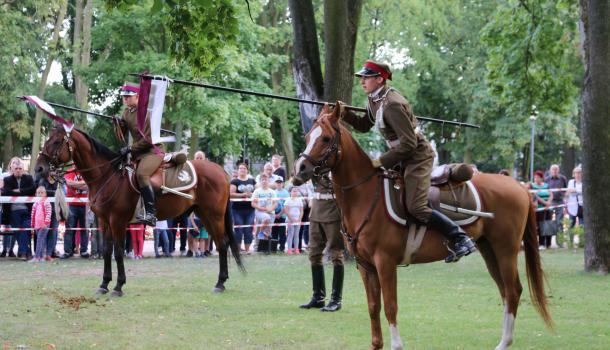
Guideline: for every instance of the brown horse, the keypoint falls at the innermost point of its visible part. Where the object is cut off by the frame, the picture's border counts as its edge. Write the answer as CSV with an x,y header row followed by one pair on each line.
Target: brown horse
x,y
379,243
114,200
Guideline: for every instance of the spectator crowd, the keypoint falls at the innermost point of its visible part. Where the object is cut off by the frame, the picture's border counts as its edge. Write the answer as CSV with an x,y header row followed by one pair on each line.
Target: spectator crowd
x,y
268,214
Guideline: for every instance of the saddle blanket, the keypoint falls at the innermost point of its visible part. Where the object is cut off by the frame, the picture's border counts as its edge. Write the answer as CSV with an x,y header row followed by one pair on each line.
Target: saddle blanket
x,y
452,196
178,178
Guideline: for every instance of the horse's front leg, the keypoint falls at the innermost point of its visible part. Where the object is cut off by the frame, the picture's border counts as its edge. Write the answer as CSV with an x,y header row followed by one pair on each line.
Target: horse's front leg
x,y
108,245
373,296
387,277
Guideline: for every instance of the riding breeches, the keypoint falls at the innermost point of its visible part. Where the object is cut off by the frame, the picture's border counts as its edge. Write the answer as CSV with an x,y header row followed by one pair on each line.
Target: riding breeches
x,y
147,166
417,185
321,235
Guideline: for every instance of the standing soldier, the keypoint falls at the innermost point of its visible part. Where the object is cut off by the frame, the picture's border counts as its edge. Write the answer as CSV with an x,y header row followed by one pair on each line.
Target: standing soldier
x,y
142,151
390,112
324,230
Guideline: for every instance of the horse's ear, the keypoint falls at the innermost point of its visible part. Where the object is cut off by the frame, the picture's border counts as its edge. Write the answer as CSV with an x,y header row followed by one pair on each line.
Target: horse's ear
x,y
338,110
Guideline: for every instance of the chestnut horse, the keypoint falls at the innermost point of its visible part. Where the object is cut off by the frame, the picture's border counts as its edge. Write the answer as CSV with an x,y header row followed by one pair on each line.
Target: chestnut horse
x,y
378,243
114,200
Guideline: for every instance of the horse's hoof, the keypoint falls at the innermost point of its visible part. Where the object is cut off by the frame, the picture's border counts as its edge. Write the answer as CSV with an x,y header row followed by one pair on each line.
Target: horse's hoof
x,y
218,289
117,293
101,291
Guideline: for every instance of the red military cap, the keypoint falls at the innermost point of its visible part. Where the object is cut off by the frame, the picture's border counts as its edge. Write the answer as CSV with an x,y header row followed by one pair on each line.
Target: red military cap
x,y
373,69
129,89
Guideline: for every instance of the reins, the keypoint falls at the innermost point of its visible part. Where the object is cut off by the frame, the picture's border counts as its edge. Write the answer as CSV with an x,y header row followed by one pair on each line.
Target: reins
x,y
353,239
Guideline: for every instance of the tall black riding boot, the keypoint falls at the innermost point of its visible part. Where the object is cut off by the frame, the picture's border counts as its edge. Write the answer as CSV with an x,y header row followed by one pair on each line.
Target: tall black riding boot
x,y
319,289
335,298
463,244
148,196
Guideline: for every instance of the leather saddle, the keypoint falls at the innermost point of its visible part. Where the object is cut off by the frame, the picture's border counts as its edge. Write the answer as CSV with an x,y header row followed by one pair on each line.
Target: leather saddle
x,y
451,189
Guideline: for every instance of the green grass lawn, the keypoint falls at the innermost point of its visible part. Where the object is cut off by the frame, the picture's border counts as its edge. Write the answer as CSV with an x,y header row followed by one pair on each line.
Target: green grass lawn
x,y
169,304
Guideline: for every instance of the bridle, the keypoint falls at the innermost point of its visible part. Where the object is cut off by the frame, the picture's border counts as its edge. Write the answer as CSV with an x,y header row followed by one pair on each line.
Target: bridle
x,y
54,163
322,167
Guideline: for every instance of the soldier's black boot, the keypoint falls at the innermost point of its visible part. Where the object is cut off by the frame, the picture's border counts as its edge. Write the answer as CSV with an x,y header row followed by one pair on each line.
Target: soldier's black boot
x,y
319,289
335,298
150,216
463,244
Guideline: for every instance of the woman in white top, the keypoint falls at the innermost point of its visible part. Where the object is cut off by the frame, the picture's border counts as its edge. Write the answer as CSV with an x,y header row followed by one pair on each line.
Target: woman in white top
x,y
575,202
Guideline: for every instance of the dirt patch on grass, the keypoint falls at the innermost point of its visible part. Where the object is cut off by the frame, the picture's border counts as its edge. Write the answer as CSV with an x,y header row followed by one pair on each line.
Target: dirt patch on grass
x,y
74,302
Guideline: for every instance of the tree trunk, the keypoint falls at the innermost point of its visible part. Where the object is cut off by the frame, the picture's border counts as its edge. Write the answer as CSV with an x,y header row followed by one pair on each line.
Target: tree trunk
x,y
8,150
568,161
341,20
83,88
54,45
596,133
76,47
306,66
178,143
193,143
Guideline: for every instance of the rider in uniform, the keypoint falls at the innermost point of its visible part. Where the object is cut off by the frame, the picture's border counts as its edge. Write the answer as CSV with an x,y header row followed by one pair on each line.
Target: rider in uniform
x,y
324,230
390,112
143,151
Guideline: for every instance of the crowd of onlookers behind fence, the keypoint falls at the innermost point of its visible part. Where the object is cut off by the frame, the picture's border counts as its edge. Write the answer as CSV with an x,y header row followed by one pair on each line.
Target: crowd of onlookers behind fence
x,y
269,215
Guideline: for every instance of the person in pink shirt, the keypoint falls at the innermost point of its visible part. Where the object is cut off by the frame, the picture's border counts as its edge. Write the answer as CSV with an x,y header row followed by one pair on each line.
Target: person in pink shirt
x,y
41,219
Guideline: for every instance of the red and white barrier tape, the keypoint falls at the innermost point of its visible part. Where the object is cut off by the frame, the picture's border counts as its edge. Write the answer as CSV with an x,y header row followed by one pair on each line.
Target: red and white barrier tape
x,y
31,199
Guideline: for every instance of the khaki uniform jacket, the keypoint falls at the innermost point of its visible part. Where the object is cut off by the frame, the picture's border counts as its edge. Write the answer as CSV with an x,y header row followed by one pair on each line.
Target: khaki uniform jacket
x,y
140,145
393,116
397,124
323,210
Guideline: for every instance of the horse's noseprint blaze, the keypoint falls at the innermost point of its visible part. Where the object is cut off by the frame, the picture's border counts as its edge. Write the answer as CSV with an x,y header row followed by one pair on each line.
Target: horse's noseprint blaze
x,y
379,243
113,200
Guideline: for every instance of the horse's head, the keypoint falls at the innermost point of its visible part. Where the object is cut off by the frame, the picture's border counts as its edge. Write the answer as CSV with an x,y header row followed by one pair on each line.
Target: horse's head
x,y
57,150
323,146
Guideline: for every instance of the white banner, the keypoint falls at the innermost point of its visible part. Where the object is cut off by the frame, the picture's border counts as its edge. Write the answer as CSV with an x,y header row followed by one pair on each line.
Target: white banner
x,y
156,101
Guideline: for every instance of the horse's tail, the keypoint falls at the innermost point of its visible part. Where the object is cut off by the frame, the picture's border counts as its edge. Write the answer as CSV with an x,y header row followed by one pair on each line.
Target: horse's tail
x,y
535,275
230,237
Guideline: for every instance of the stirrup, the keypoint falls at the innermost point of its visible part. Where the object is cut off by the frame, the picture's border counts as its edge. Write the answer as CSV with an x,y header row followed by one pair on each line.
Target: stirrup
x,y
456,255
147,219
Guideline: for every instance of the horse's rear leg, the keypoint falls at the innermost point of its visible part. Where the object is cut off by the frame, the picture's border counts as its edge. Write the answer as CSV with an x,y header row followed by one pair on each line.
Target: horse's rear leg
x,y
507,265
118,230
492,264
387,278
373,296
108,245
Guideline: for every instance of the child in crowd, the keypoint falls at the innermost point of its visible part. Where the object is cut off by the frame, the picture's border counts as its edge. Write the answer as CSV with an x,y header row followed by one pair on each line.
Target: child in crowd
x,y
293,208
200,238
264,203
41,219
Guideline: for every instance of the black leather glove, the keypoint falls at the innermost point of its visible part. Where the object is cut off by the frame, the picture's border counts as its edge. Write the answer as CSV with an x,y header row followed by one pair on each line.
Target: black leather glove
x,y
125,150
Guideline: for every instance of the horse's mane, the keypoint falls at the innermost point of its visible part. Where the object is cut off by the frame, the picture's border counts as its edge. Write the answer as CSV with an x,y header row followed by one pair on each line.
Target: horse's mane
x,y
98,147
